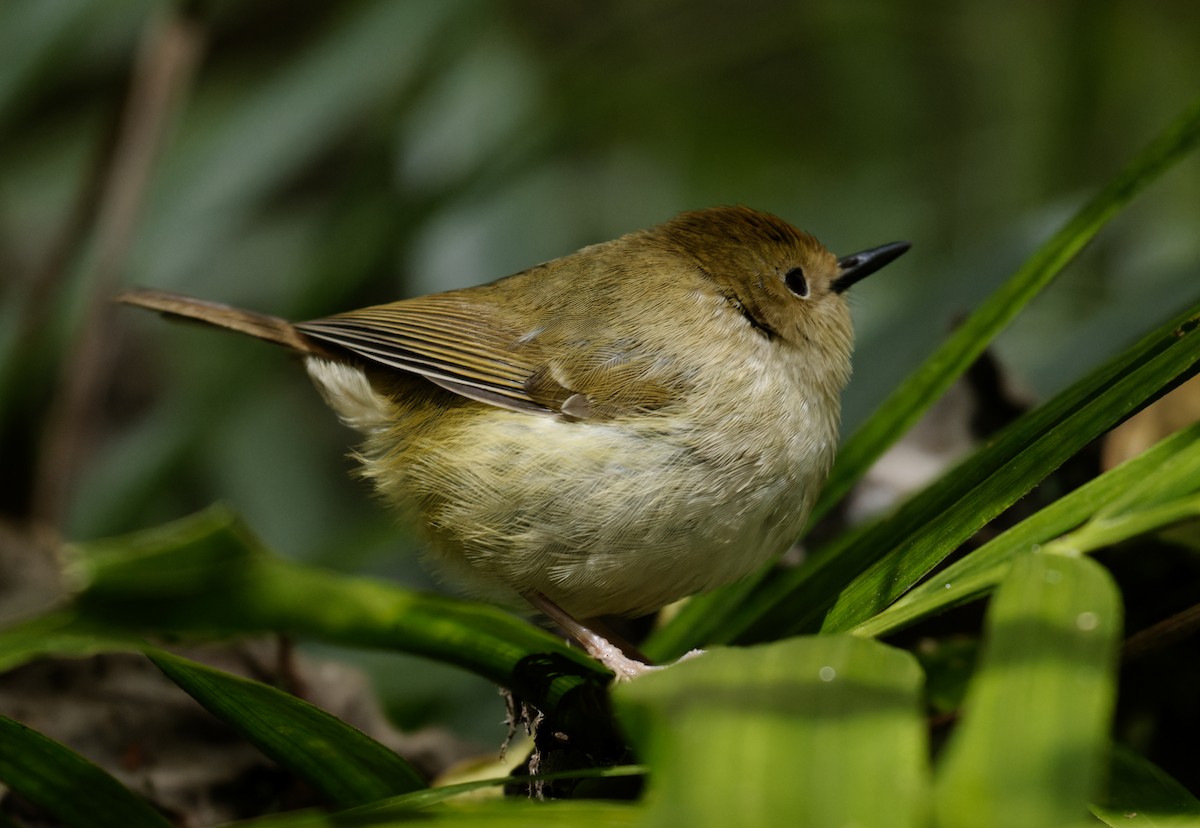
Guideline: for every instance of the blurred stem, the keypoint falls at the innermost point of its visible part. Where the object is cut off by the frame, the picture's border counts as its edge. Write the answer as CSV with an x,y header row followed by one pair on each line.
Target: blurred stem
x,y
1166,633
163,71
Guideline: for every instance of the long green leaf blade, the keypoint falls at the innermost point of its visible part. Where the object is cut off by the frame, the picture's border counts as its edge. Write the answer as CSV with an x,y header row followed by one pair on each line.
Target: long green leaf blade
x,y
810,731
706,618
63,783
346,765
1031,746
1175,459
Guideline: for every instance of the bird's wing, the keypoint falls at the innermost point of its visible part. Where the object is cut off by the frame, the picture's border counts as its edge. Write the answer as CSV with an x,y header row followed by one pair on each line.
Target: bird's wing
x,y
464,346
477,348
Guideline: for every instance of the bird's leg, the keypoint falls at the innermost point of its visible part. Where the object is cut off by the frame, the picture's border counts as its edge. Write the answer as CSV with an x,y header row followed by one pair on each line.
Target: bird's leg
x,y
593,643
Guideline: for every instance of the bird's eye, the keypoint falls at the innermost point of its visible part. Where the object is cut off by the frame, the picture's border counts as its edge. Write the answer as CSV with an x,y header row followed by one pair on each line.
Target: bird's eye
x,y
796,283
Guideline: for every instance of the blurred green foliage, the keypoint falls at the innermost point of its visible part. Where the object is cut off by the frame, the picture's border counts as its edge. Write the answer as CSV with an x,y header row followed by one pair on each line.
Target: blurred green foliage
x,y
323,156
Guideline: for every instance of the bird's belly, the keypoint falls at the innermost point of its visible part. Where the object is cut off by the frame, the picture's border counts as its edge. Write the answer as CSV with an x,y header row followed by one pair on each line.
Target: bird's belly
x,y
610,518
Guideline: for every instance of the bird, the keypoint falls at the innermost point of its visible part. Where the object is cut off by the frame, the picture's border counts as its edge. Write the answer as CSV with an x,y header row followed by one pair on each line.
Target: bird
x,y
605,433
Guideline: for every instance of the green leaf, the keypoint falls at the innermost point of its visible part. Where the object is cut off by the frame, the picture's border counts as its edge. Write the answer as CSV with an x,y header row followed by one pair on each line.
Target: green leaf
x,y
59,634
1141,795
1101,532
344,764
208,575
1171,463
810,731
1031,746
895,553
707,618
64,784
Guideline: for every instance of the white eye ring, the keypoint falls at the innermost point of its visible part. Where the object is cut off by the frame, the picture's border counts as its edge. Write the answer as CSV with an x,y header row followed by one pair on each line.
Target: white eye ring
x,y
796,283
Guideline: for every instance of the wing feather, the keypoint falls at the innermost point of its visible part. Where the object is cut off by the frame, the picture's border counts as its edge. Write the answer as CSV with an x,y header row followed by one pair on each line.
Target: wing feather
x,y
469,348
477,347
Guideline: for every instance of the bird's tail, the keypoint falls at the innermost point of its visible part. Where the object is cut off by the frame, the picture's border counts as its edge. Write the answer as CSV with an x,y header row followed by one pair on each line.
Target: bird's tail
x,y
259,325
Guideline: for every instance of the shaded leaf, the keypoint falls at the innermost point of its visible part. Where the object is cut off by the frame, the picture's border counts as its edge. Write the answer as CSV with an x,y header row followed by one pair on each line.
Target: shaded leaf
x,y
63,783
1141,795
346,765
59,634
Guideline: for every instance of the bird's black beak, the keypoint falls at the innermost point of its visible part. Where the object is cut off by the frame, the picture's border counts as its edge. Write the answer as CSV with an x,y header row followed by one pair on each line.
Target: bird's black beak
x,y
859,266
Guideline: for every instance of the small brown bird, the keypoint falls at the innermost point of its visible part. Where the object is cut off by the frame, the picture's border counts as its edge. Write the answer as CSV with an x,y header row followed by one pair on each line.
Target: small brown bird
x,y
605,433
